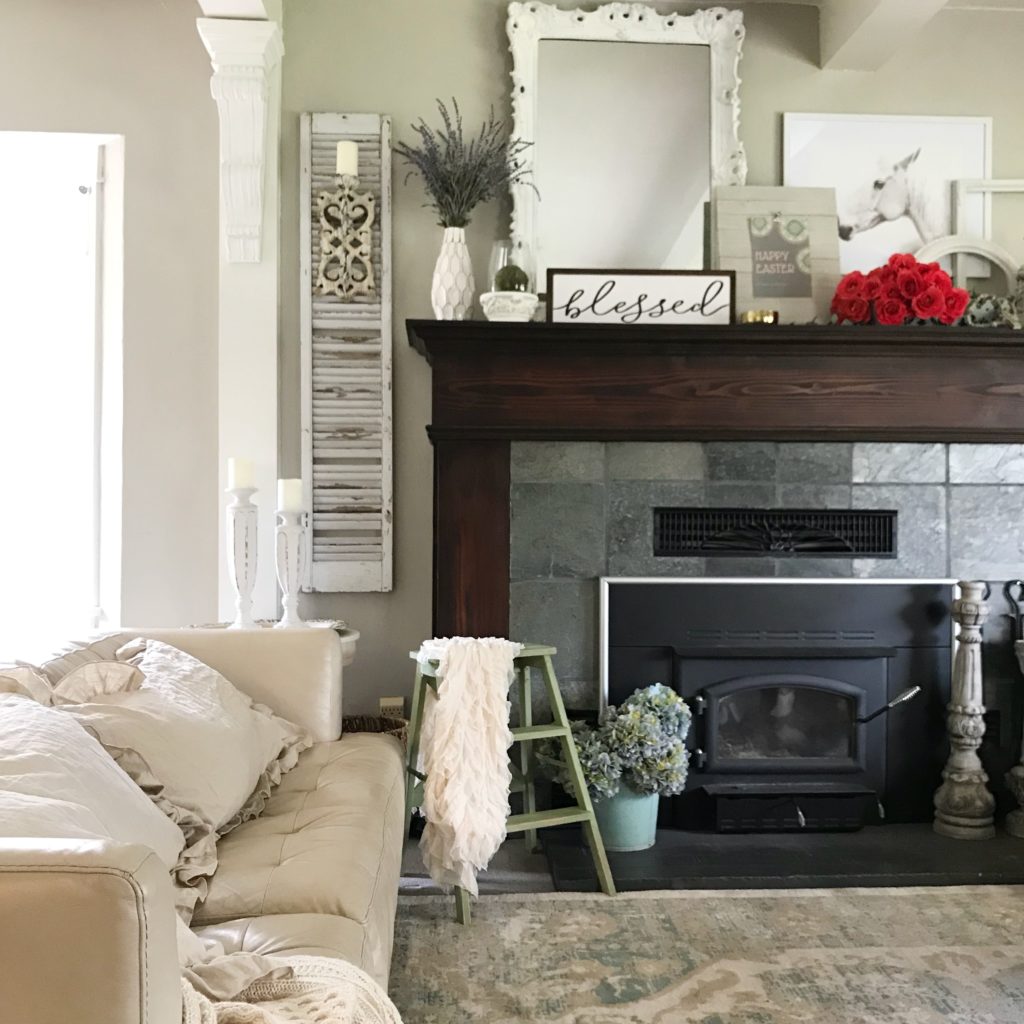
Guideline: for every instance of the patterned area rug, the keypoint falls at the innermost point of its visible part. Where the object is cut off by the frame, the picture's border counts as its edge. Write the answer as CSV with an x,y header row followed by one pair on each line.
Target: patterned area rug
x,y
811,956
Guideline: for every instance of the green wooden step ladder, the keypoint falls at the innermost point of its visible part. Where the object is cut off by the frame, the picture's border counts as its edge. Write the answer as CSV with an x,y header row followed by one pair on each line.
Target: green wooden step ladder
x,y
532,656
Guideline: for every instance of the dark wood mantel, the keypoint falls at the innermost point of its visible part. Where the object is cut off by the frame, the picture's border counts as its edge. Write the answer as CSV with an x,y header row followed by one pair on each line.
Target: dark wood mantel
x,y
495,383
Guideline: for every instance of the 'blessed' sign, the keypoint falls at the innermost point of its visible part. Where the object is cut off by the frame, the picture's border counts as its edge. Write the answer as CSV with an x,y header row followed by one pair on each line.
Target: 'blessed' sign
x,y
641,296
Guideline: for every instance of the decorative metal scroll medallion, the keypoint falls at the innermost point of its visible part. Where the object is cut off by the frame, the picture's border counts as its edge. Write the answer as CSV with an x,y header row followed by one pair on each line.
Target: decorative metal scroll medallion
x,y
346,218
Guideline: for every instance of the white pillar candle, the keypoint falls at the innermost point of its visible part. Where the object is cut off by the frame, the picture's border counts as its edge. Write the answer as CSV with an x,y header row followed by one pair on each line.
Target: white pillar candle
x,y
347,159
240,474
289,495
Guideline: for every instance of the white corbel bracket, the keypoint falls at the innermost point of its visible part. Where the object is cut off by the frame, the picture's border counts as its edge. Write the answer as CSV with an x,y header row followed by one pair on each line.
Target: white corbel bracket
x,y
243,54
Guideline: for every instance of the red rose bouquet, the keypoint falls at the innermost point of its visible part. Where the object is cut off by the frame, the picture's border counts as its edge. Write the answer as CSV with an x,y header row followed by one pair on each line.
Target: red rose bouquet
x,y
901,292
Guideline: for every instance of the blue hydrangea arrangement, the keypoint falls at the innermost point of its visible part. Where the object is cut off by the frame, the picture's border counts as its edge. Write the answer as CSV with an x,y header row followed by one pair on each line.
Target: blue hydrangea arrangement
x,y
642,742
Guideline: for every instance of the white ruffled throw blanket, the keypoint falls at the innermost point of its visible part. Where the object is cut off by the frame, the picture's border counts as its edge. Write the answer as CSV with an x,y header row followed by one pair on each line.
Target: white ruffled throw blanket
x,y
464,754
243,988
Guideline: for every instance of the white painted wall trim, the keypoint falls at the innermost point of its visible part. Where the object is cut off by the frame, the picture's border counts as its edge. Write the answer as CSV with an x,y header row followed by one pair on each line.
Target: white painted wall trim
x,y
245,56
246,84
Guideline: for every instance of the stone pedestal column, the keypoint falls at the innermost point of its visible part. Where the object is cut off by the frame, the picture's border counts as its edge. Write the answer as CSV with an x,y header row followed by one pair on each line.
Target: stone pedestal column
x,y
1015,776
963,805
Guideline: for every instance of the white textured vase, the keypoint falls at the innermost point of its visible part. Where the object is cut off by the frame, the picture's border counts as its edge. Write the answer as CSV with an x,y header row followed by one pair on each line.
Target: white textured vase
x,y
451,293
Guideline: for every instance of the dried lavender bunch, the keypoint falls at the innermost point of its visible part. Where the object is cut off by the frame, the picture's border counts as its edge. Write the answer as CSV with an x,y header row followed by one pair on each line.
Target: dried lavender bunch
x,y
458,175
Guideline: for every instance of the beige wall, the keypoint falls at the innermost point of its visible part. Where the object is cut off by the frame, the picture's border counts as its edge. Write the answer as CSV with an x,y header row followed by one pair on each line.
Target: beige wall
x,y
396,56
140,70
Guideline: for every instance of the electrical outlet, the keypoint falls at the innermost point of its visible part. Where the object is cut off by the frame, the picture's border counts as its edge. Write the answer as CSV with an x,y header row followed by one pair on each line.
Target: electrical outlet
x,y
392,707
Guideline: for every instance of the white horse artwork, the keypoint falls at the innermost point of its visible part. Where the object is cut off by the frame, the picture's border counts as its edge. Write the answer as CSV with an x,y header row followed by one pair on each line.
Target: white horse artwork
x,y
897,193
892,174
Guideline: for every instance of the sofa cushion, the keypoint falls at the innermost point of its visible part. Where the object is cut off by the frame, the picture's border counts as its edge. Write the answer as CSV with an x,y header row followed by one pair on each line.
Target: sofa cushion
x,y
329,841
296,935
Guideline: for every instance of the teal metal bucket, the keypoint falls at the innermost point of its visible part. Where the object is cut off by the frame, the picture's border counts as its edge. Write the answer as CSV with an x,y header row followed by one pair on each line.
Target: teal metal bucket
x,y
628,821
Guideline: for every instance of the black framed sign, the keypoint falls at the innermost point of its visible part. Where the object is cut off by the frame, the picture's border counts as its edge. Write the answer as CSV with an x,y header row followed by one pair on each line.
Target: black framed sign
x,y
627,297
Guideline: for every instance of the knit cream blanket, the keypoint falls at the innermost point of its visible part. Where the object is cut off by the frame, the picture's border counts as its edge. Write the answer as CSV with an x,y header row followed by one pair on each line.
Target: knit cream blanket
x,y
292,990
464,754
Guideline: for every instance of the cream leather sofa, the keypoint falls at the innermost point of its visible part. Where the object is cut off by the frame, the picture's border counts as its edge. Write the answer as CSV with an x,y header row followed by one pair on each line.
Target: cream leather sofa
x,y
87,928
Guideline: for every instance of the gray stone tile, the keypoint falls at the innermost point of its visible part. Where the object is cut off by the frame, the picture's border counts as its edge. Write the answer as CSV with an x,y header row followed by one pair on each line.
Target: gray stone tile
x,y
921,530
741,460
814,496
986,526
986,463
655,460
741,495
562,613
811,568
732,568
557,462
819,463
899,463
631,522
557,530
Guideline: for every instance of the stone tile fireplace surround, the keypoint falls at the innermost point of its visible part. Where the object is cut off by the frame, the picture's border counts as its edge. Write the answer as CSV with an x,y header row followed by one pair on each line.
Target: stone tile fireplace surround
x,y
582,510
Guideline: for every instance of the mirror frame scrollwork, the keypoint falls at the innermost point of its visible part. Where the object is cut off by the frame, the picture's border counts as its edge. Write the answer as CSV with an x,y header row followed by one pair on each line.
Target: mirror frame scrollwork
x,y
721,30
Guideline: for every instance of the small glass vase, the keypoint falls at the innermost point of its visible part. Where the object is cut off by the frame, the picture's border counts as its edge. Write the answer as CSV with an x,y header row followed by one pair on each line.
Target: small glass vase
x,y
503,265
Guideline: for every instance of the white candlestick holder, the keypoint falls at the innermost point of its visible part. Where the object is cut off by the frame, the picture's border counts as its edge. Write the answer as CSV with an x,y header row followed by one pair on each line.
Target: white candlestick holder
x,y
291,564
242,530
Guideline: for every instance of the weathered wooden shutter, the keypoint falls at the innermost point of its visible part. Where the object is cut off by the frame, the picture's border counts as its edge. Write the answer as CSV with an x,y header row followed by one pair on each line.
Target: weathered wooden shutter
x,y
346,374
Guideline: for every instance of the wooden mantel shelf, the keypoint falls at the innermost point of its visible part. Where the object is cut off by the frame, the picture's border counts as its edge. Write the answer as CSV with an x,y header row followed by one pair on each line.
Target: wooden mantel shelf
x,y
557,381
496,383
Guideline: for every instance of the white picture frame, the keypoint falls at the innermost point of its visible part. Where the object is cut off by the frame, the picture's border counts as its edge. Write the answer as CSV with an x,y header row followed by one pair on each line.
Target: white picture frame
x,y
632,298
963,190
732,208
531,22
893,176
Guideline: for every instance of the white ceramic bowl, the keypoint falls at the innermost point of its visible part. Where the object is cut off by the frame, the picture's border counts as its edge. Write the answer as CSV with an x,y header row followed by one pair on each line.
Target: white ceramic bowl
x,y
509,307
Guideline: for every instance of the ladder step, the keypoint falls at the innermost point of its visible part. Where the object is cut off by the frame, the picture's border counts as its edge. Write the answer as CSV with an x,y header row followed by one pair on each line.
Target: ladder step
x,y
544,819
540,732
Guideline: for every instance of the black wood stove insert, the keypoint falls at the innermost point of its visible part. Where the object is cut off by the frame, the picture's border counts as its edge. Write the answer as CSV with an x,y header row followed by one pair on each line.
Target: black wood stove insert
x,y
789,683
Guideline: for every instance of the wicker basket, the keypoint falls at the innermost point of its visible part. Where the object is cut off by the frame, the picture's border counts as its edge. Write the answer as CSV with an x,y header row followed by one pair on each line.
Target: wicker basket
x,y
397,727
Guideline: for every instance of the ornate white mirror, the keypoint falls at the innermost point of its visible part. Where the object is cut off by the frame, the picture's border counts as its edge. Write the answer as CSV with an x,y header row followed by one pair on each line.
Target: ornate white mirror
x,y
634,117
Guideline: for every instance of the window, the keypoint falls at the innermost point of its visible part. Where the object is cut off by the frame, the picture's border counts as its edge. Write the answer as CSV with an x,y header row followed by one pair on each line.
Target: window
x,y
51,309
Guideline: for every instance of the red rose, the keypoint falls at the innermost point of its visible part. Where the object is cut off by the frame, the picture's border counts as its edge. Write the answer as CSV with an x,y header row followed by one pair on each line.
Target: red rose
x,y
956,305
890,291
887,275
858,311
851,286
931,267
871,287
891,311
902,261
939,279
930,304
910,283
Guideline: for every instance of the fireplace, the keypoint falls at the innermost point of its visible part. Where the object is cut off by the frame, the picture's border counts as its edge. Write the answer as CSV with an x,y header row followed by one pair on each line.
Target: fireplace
x,y
784,679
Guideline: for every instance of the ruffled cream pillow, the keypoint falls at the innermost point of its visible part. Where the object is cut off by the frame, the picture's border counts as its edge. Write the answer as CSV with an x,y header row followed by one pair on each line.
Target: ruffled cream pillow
x,y
27,681
213,752
48,763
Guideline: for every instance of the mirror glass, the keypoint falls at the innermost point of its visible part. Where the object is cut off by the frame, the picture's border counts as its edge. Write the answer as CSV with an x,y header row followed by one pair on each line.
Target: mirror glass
x,y
622,155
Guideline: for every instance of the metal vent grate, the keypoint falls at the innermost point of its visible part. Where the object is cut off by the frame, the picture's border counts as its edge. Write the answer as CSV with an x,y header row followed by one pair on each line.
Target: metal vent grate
x,y
799,533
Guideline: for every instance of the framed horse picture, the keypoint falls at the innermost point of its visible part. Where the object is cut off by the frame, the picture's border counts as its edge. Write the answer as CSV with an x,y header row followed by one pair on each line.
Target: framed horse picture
x,y
893,177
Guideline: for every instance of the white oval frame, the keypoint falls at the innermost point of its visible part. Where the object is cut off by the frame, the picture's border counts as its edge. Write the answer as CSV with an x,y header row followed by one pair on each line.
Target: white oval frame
x,y
954,245
717,28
